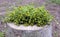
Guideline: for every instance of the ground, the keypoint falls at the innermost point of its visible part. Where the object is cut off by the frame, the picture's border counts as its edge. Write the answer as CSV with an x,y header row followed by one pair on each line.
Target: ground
x,y
54,9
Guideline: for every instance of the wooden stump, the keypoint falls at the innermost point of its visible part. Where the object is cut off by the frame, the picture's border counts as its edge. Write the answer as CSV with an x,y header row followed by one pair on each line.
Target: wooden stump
x,y
43,32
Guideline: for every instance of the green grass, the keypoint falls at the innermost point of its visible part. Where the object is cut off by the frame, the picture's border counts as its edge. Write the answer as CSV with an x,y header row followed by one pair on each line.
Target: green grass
x,y
1,34
55,1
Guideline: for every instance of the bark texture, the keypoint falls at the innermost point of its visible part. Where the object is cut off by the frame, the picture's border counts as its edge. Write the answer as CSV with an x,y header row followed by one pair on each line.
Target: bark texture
x,y
44,32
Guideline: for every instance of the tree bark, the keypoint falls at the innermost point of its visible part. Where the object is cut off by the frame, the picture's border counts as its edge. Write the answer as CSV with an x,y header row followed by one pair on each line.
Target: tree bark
x,y
44,32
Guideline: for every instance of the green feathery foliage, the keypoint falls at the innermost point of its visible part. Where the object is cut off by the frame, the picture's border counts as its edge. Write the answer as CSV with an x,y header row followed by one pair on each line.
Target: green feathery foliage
x,y
29,15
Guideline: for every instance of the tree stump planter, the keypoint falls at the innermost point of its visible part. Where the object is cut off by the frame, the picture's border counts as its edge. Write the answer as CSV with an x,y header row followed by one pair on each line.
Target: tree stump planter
x,y
17,31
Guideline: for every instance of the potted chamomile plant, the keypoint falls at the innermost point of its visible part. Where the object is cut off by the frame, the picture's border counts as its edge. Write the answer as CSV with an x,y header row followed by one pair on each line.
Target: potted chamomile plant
x,y
28,21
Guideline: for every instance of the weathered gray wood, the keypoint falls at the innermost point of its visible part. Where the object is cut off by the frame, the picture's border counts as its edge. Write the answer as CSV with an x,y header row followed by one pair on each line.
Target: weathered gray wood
x,y
44,32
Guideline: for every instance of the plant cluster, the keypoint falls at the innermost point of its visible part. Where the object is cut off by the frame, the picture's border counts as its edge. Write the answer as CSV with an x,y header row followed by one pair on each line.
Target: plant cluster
x,y
29,15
